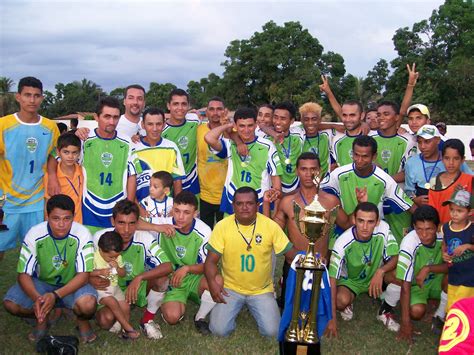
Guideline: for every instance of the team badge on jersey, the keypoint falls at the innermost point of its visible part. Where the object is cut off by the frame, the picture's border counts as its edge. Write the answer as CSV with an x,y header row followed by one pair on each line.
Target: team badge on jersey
x,y
128,267
31,144
183,142
258,239
386,154
180,251
350,154
106,158
57,261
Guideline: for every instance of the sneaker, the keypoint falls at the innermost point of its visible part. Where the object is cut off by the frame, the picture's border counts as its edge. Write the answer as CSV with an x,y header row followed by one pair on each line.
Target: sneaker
x,y
348,313
437,325
116,328
388,319
151,330
202,326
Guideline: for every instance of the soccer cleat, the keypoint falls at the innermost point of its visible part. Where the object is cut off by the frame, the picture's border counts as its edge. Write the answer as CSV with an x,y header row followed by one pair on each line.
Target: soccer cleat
x,y
151,330
202,326
388,319
348,313
437,325
116,328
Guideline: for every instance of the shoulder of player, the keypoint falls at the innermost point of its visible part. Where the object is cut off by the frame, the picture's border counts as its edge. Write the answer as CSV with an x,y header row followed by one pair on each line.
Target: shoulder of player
x,y
345,239
382,228
268,223
98,234
410,242
382,175
37,232
143,237
80,232
343,170
202,228
413,160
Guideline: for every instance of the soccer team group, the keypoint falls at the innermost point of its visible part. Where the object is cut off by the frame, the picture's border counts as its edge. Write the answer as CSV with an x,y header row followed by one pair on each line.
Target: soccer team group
x,y
150,210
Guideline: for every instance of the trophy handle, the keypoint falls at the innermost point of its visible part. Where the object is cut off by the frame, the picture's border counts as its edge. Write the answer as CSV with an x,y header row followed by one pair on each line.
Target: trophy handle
x,y
297,211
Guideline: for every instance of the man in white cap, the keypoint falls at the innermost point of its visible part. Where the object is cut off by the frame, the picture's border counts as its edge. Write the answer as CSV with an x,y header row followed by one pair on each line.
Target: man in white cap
x,y
418,116
421,168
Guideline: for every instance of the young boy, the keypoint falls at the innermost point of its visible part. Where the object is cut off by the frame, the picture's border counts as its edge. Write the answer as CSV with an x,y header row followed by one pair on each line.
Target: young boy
x,y
157,205
458,247
108,264
420,267
368,252
69,172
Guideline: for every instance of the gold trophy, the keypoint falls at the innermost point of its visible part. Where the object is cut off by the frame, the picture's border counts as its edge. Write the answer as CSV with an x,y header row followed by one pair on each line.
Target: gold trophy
x,y
302,334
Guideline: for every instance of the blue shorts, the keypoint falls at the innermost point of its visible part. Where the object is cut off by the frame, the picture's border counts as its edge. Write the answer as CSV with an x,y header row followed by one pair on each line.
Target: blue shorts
x,y
16,294
18,225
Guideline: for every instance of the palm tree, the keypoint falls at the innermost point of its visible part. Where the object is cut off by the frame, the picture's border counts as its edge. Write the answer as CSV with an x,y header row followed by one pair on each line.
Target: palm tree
x,y
7,98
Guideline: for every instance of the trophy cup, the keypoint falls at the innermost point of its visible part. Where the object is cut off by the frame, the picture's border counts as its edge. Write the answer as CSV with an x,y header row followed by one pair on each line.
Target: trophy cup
x,y
302,334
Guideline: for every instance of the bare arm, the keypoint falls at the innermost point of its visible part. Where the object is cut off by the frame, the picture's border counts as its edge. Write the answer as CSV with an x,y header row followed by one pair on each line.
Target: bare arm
x,y
324,87
213,136
276,184
131,187
412,78
53,182
406,329
177,186
131,294
210,270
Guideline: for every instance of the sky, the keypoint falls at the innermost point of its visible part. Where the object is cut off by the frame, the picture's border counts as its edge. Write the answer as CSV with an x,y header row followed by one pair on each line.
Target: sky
x,y
116,43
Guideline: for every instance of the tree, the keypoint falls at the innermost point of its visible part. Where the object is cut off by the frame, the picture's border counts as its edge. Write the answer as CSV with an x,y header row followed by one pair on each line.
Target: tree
x,y
372,87
443,48
201,92
157,94
8,103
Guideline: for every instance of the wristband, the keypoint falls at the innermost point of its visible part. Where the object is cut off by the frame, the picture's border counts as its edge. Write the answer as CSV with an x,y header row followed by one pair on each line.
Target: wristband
x,y
56,296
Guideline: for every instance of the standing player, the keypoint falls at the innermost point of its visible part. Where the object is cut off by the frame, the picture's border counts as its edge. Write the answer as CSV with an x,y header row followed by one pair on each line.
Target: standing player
x,y
210,166
316,141
260,169
134,102
156,153
420,267
364,181
183,132
368,253
109,167
26,143
290,149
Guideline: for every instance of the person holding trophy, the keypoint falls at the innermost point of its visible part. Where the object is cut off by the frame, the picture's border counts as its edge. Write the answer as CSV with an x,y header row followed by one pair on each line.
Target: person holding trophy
x,y
367,255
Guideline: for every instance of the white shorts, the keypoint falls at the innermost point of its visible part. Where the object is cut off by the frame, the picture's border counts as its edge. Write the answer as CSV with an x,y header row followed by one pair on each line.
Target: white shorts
x,y
111,291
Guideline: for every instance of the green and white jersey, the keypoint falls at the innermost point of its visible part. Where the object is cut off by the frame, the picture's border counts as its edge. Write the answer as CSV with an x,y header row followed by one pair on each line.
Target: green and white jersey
x,y
320,144
56,260
414,255
185,137
341,148
360,259
254,170
106,165
288,152
142,253
393,151
186,249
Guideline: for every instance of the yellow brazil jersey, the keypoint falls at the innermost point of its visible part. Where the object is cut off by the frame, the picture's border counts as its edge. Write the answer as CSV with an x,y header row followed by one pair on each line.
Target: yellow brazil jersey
x,y
211,170
246,253
24,151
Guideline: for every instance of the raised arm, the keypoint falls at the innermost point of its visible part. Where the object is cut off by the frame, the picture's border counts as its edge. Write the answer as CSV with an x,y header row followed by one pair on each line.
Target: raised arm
x,y
412,78
324,87
213,136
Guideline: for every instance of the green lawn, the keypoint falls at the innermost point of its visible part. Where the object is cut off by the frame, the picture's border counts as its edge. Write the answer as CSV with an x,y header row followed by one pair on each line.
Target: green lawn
x,y
362,335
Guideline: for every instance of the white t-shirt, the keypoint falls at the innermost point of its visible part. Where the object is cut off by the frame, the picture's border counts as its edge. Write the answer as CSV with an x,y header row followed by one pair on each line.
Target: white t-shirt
x,y
128,129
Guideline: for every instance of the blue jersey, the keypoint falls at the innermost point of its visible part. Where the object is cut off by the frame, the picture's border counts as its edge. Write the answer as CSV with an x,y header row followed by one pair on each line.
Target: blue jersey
x,y
324,306
24,151
461,270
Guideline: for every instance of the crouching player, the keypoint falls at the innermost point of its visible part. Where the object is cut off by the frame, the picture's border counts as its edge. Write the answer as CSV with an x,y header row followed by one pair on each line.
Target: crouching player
x,y
421,268
367,254
53,270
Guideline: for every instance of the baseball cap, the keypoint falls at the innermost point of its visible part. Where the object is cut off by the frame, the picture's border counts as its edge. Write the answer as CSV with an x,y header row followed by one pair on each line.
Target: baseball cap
x,y
460,197
428,131
420,107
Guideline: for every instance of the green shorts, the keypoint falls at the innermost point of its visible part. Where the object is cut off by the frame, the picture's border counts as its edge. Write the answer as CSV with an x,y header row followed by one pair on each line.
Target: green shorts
x,y
189,289
357,287
432,290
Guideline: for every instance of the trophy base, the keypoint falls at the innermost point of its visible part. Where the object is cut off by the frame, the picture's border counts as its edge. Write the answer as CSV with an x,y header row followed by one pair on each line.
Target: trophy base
x,y
289,348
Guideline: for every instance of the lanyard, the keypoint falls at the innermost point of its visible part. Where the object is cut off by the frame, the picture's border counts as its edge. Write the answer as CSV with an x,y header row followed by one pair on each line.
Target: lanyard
x,y
312,147
72,185
249,246
432,170
61,257
156,208
287,152
302,197
243,161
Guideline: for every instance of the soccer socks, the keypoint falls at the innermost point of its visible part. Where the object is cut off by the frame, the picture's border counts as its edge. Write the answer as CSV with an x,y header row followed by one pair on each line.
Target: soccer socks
x,y
392,296
441,311
207,304
154,300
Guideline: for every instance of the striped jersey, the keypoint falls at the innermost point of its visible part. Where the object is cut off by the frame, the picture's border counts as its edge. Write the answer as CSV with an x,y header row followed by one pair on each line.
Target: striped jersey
x,y
254,170
185,137
24,151
56,260
106,165
393,151
320,145
414,255
361,259
186,248
341,148
164,156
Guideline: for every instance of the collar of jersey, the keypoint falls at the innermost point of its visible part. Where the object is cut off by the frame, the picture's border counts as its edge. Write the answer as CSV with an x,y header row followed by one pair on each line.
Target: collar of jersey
x,y
381,135
364,177
192,227
430,161
131,241
145,143
50,232
315,136
177,125
355,135
252,141
105,139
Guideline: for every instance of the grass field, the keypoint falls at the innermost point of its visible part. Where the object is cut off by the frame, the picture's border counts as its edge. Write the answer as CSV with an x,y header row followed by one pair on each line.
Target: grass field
x,y
362,335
